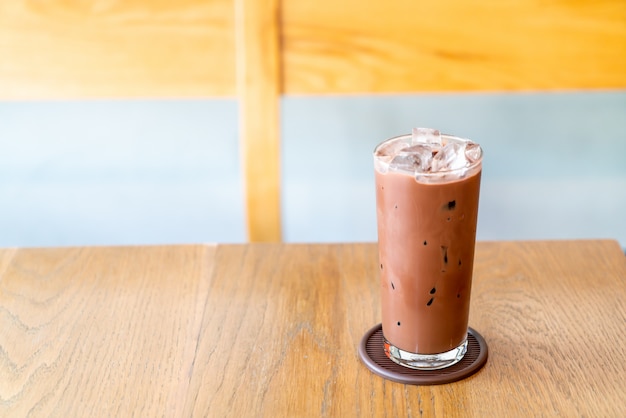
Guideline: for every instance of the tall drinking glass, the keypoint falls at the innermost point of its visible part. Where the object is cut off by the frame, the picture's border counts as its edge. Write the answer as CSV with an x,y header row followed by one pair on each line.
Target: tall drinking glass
x,y
427,189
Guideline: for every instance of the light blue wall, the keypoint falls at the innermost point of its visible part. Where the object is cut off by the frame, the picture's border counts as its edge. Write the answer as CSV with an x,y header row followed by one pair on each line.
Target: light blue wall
x,y
131,172
149,172
554,165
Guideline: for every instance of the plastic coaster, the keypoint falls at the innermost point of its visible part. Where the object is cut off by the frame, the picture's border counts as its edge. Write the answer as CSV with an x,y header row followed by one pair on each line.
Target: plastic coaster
x,y
373,355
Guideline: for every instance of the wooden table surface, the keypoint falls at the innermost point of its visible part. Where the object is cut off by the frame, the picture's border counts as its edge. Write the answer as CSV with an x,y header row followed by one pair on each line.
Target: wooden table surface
x,y
273,329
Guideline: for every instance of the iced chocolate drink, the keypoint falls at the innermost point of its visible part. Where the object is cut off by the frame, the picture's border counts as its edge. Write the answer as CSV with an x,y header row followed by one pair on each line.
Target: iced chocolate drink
x,y
427,187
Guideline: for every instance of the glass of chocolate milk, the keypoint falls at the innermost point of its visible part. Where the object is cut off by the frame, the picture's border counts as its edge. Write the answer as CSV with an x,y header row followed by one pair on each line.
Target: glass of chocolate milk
x,y
427,187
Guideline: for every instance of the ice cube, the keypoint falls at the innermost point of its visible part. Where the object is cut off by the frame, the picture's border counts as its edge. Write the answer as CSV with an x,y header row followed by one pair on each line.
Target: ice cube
x,y
472,152
426,136
425,154
405,162
451,157
415,159
391,148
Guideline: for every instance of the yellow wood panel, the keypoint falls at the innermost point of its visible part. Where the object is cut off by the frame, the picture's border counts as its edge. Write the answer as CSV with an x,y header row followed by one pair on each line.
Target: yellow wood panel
x,y
352,46
107,48
258,85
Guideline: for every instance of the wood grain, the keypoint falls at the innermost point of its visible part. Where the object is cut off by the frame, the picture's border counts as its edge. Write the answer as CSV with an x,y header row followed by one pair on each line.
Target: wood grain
x,y
104,48
401,46
101,331
258,90
552,314
137,48
272,330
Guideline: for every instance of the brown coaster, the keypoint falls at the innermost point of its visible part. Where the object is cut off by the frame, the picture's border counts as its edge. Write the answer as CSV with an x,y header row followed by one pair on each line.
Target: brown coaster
x,y
373,355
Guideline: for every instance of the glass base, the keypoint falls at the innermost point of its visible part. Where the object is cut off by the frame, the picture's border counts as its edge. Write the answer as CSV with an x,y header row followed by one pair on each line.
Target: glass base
x,y
425,361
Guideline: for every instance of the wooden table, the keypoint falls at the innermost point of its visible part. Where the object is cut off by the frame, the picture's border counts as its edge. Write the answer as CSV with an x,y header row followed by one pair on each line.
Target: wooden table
x,y
272,330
